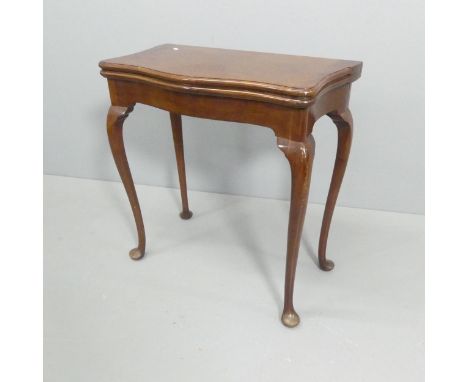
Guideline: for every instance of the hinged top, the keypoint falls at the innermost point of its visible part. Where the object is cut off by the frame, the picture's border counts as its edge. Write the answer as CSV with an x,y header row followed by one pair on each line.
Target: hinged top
x,y
278,78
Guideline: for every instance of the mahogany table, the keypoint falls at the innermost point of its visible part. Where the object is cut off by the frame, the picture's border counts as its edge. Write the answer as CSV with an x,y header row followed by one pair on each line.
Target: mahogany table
x,y
287,94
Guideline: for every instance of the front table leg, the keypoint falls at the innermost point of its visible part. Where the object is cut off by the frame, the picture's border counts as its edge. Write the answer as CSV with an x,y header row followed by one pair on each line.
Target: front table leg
x,y
344,123
300,156
115,119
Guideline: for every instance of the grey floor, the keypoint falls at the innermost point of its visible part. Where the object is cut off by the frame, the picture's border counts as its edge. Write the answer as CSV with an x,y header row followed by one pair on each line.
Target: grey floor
x,y
204,304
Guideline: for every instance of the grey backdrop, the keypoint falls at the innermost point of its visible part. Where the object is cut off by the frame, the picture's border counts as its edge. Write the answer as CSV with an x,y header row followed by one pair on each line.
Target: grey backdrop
x,y
386,168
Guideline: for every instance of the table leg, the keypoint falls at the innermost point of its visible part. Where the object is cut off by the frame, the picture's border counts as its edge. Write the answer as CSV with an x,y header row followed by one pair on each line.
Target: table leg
x,y
300,156
344,123
176,122
115,120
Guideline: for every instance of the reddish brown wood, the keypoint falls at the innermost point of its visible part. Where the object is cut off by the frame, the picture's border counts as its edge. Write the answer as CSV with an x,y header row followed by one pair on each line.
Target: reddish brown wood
x,y
287,94
286,122
344,123
176,123
115,120
300,156
277,78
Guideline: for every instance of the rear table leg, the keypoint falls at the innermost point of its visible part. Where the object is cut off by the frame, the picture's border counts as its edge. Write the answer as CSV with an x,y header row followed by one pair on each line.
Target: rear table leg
x,y
344,123
176,122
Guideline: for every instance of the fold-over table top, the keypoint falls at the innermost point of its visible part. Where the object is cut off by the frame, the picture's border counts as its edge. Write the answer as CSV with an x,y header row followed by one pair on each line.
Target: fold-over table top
x,y
239,74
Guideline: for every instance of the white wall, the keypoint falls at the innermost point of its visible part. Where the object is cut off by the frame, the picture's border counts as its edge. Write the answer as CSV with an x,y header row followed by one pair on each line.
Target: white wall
x,y
386,168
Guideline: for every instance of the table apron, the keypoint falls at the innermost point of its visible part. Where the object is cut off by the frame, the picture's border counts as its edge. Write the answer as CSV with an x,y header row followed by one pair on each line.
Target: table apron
x,y
291,123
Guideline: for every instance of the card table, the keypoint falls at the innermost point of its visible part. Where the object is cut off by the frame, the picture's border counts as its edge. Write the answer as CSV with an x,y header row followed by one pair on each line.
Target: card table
x,y
284,93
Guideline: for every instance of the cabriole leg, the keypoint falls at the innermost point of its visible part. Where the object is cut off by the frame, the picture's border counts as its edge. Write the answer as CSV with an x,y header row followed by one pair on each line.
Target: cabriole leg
x,y
300,156
344,123
176,122
115,120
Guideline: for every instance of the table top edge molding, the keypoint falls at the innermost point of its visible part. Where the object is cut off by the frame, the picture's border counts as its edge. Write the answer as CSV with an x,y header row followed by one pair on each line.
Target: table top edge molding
x,y
140,67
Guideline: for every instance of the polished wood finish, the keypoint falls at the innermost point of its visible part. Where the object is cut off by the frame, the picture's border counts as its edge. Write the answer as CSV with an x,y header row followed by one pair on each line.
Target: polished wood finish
x,y
344,123
115,120
176,122
278,78
300,156
287,94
